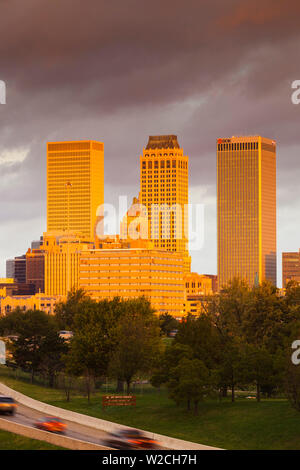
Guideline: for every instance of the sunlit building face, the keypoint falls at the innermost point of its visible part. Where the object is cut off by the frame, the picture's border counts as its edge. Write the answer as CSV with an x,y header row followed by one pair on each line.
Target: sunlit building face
x,y
246,194
290,267
75,185
164,185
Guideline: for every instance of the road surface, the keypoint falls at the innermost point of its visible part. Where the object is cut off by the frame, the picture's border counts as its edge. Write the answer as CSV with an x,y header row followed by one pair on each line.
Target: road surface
x,y
28,416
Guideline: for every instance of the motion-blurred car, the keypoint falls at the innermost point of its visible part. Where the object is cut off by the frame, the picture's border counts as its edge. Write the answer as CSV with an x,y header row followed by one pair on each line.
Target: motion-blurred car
x,y
130,439
51,425
7,405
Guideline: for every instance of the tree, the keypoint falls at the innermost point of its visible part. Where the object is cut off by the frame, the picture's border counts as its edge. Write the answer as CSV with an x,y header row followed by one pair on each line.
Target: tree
x,y
167,323
230,371
201,336
65,311
169,359
93,341
190,382
258,367
292,384
264,317
138,341
52,351
38,345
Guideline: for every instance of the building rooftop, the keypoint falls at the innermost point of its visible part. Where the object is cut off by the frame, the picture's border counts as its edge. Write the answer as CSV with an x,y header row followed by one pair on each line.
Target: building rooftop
x,y
162,142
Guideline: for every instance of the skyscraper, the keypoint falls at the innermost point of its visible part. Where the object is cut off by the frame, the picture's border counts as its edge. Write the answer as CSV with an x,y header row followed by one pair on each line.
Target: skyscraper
x,y
290,267
75,185
164,192
246,187
10,268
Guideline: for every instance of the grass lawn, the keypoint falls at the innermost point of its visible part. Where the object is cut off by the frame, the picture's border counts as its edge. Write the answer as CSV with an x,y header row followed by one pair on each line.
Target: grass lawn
x,y
9,441
246,424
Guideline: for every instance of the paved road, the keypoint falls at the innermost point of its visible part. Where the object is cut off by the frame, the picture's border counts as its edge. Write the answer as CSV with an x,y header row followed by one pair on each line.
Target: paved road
x,y
28,416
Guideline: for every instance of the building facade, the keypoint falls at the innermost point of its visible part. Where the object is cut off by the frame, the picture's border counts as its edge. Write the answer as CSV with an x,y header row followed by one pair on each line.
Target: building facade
x,y
11,287
28,302
164,193
20,269
10,268
130,273
75,186
246,195
197,284
290,267
134,224
35,268
62,255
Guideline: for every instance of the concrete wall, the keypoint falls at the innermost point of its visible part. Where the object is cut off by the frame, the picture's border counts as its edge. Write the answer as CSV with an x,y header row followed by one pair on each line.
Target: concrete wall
x,y
108,426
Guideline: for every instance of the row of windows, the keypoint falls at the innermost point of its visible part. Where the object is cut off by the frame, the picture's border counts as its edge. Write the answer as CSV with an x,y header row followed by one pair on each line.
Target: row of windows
x,y
67,146
164,164
239,146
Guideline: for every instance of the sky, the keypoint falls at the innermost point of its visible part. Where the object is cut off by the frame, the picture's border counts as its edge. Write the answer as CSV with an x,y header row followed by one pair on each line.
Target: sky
x,y
122,70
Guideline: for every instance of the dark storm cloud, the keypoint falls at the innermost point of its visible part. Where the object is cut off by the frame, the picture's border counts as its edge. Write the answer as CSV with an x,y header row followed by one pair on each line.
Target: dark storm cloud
x,y
118,71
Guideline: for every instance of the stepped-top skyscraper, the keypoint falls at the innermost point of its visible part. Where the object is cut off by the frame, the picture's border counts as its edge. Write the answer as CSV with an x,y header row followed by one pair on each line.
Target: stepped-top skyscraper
x,y
246,187
164,192
75,185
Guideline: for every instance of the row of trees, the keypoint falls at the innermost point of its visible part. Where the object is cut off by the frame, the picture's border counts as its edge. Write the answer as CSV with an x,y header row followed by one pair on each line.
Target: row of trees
x,y
244,339
117,339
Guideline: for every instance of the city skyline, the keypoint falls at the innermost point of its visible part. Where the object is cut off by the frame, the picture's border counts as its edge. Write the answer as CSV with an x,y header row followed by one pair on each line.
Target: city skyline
x,y
166,82
194,253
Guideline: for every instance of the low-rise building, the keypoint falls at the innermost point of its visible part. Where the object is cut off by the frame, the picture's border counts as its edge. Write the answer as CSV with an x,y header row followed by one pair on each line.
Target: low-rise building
x,y
198,289
28,302
197,284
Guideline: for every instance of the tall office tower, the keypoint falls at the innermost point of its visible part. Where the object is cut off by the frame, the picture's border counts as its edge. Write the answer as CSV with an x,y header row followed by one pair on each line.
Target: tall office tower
x,y
10,268
246,174
75,185
20,269
164,192
290,267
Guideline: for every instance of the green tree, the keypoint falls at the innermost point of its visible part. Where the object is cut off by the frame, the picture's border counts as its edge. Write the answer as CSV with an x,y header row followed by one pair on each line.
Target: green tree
x,y
169,359
167,323
230,372
264,317
201,336
189,382
258,367
38,346
138,341
65,311
94,340
292,384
